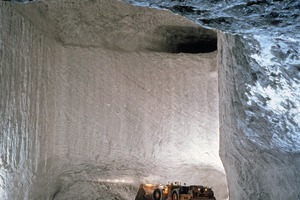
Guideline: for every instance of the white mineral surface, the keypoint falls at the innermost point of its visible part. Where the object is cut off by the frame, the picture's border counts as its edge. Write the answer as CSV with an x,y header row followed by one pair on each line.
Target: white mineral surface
x,y
96,98
93,103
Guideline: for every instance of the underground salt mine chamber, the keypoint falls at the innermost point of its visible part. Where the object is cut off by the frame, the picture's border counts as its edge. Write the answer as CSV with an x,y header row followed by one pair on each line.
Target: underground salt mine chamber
x,y
101,96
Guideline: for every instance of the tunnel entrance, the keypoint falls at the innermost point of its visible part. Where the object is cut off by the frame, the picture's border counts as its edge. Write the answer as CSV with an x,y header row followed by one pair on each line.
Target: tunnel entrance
x,y
195,46
183,39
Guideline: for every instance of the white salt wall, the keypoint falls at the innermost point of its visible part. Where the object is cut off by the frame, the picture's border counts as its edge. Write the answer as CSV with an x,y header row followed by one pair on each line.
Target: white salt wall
x,y
138,115
84,123
28,151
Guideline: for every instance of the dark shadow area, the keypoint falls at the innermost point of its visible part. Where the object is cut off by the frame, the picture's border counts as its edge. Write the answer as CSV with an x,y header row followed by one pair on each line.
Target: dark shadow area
x,y
181,39
195,46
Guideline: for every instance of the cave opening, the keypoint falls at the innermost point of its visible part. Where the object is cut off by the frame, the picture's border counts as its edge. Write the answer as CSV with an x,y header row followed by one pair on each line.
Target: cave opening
x,y
183,39
196,46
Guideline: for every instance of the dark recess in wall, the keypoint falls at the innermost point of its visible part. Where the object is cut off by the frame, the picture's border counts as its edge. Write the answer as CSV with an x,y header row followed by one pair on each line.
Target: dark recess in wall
x,y
180,39
195,46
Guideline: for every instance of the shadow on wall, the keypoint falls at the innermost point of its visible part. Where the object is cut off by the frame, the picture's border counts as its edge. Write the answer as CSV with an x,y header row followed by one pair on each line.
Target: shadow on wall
x,y
182,39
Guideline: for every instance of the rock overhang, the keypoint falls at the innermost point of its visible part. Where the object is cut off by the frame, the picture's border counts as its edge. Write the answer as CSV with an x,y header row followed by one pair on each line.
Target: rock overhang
x,y
95,24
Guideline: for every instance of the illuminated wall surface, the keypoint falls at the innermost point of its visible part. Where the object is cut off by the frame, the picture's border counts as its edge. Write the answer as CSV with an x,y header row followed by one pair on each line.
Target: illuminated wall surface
x,y
96,98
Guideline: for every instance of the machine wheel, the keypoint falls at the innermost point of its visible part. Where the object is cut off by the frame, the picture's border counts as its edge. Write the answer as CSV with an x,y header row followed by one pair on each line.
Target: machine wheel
x,y
210,194
157,194
175,195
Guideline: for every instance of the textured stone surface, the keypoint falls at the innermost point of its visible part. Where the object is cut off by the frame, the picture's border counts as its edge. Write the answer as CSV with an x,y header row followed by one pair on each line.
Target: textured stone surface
x,y
28,124
256,164
110,24
259,91
92,103
84,119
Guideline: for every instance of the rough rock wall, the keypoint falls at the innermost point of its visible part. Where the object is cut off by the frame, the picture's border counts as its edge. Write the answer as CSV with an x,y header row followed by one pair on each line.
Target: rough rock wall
x,y
110,24
27,74
259,91
256,164
83,122
140,116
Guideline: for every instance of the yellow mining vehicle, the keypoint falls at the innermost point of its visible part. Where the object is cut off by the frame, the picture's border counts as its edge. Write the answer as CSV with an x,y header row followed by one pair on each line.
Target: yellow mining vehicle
x,y
174,191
